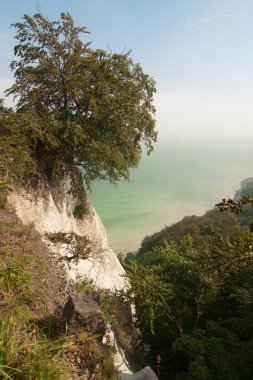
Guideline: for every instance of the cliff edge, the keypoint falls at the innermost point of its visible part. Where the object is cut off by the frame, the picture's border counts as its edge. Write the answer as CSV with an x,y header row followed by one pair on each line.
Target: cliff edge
x,y
51,209
59,209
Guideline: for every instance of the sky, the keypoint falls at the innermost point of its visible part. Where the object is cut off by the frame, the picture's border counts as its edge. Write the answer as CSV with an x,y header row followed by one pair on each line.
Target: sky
x,y
198,51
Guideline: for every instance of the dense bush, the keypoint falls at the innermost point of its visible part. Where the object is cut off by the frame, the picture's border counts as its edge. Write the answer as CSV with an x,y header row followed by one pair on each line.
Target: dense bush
x,y
194,306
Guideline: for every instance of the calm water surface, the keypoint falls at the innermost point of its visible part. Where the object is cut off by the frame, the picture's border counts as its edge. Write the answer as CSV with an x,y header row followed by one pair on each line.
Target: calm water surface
x,y
180,178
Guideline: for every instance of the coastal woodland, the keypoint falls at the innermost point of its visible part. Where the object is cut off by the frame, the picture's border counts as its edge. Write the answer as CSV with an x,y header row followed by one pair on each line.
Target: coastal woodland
x,y
192,287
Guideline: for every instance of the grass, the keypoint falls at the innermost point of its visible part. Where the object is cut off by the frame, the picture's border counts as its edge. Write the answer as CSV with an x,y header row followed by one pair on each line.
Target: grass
x,y
3,194
29,356
3,200
110,371
26,353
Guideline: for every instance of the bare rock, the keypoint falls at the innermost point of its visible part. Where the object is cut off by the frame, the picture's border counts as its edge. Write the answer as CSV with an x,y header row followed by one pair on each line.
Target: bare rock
x,y
145,374
81,312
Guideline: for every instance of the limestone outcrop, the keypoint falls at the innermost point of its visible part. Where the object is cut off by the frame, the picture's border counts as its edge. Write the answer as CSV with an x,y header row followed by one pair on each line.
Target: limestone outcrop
x,y
51,209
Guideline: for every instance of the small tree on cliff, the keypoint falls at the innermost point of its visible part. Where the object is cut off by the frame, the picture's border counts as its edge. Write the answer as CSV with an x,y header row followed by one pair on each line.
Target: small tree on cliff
x,y
94,109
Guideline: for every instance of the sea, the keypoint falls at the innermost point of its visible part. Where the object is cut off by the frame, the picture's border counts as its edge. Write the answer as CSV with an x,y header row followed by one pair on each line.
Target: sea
x,y
181,177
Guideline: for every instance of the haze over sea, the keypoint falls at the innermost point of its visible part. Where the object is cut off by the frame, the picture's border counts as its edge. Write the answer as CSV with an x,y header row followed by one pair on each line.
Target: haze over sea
x,y
182,177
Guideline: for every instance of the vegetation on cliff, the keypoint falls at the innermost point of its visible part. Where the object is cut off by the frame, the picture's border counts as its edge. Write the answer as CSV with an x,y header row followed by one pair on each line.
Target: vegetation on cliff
x,y
34,341
193,291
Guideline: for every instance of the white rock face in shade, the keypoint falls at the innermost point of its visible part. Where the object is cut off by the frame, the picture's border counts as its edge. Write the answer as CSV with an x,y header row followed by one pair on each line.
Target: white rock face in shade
x,y
51,210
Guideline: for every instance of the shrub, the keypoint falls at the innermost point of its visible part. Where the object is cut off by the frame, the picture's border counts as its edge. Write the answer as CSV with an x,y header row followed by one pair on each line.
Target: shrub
x,y
79,211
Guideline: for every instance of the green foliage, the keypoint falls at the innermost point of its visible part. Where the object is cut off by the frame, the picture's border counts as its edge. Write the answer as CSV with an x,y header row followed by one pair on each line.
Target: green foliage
x,y
203,229
87,108
110,372
29,358
216,353
25,351
3,194
191,303
243,199
235,207
3,200
18,134
76,246
110,302
82,284
13,274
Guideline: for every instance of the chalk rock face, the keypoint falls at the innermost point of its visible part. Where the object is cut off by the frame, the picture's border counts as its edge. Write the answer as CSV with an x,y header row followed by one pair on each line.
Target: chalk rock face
x,y
50,209
145,374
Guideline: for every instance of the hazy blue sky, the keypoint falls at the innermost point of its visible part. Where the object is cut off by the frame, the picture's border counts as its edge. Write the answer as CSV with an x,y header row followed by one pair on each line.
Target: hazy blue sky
x,y
199,52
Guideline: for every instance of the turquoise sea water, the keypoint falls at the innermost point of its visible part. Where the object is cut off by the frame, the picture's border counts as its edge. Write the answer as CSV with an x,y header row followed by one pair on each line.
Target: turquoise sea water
x,y
181,178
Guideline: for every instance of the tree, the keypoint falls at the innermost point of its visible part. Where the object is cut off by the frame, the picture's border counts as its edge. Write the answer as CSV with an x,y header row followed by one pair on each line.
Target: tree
x,y
18,134
194,306
94,108
233,206
216,353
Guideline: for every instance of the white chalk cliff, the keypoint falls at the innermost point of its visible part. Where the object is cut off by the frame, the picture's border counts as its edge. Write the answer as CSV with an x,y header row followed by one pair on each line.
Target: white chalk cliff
x,y
50,210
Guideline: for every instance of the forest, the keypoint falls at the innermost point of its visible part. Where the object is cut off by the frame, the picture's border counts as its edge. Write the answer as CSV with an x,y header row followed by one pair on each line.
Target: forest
x,y
192,285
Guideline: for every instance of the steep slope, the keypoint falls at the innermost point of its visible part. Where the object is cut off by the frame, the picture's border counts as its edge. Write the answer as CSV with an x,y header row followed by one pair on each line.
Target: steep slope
x,y
51,209
34,341
55,209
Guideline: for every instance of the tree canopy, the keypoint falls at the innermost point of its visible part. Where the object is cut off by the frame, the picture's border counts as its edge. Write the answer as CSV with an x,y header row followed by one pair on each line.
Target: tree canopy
x,y
192,287
92,109
194,306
